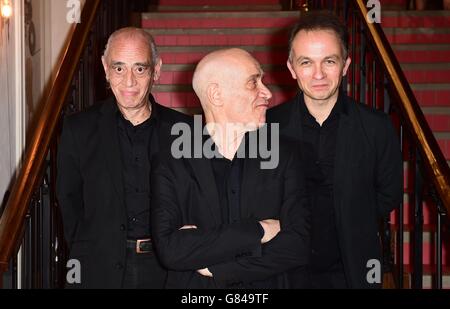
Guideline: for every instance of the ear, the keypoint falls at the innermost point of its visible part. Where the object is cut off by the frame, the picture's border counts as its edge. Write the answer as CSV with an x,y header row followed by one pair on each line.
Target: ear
x,y
289,65
105,67
346,66
213,93
157,72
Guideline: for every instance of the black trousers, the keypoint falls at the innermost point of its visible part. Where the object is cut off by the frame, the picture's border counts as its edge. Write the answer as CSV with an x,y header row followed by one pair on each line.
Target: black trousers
x,y
143,271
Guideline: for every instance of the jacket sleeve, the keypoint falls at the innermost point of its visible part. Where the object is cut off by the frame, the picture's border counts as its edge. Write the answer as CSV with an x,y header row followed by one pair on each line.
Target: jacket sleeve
x,y
289,249
388,174
192,249
69,182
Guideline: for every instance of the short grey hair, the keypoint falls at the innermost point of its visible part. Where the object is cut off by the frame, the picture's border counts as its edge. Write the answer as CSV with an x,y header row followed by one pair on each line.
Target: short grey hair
x,y
132,31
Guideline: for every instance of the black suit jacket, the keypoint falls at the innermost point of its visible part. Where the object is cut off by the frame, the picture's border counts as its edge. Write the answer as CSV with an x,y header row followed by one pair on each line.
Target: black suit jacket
x,y
367,179
186,194
90,190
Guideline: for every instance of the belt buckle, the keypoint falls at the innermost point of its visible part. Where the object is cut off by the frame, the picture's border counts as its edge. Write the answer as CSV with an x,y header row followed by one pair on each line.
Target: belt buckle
x,y
138,245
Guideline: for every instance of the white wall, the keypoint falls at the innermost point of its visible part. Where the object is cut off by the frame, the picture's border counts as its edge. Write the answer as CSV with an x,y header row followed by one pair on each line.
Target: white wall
x,y
57,34
24,75
11,96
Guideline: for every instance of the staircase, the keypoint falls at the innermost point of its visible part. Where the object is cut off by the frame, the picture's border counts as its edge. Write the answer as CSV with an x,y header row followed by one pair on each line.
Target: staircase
x,y
185,31
421,41
216,5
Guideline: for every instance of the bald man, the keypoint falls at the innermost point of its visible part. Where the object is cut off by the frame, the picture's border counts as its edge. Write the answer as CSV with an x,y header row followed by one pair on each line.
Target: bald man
x,y
103,183
222,220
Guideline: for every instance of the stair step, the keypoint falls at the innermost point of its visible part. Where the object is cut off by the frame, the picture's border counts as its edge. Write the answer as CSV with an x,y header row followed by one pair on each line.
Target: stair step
x,y
219,20
438,87
410,19
206,49
419,53
392,7
215,31
428,278
427,256
413,13
193,58
427,269
191,67
443,139
432,95
438,118
417,35
209,8
439,123
247,37
436,111
432,98
193,54
216,2
402,3
427,72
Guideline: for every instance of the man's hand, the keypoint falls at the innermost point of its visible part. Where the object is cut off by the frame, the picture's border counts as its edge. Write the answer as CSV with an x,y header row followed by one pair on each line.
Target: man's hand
x,y
205,272
271,228
187,227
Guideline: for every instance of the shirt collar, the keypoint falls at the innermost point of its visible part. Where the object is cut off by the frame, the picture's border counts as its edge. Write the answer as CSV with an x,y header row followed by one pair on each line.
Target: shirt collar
x,y
307,118
154,116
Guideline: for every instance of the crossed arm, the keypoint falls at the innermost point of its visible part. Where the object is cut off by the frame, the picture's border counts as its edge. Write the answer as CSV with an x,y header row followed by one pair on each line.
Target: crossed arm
x,y
234,251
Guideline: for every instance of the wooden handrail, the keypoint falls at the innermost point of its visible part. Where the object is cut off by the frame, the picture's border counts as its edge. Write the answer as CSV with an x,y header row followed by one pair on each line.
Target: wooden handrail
x,y
433,159
13,218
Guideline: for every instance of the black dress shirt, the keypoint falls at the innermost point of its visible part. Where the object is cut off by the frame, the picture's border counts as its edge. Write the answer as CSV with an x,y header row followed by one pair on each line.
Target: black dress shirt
x,y
137,145
228,177
319,151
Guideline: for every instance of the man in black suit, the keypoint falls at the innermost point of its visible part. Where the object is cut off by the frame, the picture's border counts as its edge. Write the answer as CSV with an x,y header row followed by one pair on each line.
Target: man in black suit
x,y
222,218
103,183
351,154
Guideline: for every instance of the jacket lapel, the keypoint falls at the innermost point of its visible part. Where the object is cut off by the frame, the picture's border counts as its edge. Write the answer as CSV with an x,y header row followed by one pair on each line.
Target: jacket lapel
x,y
346,153
163,128
204,175
293,127
110,146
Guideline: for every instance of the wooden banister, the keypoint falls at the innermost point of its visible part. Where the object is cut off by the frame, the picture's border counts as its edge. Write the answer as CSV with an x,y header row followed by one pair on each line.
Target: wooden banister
x,y
433,159
42,131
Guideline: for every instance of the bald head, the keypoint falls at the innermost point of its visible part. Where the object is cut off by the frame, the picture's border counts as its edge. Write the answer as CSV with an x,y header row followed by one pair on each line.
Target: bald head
x,y
229,85
219,67
132,33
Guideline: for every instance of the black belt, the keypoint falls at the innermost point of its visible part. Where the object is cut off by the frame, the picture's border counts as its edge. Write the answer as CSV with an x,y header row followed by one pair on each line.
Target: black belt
x,y
140,245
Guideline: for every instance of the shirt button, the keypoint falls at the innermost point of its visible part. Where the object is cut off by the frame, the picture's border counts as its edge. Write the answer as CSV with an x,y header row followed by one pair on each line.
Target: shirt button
x,y
137,190
119,265
136,159
122,227
233,191
317,162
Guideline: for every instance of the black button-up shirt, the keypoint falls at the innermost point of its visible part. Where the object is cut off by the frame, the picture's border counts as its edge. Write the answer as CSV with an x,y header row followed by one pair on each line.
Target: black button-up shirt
x,y
137,145
228,176
319,150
